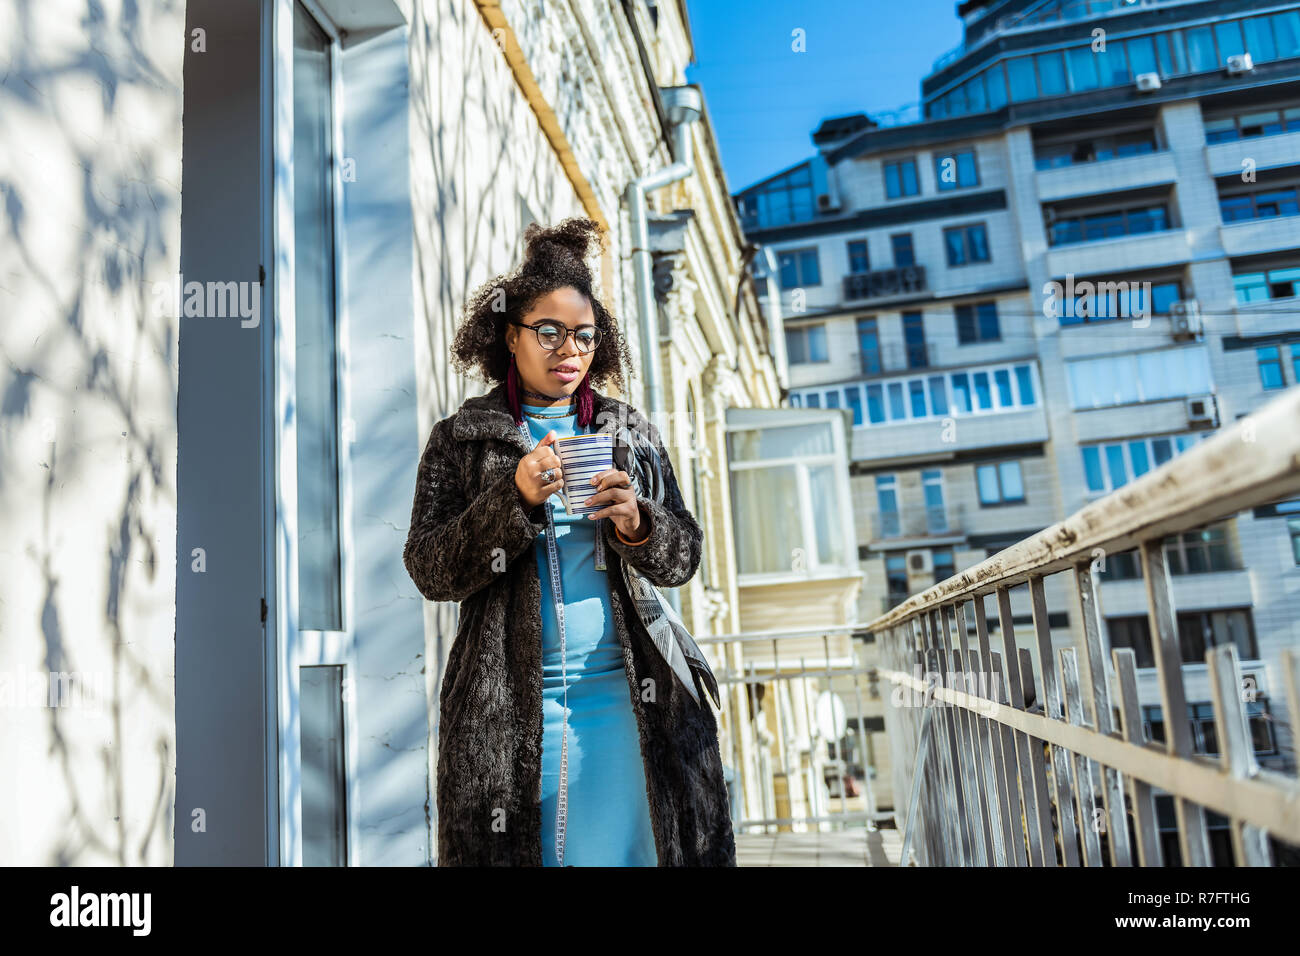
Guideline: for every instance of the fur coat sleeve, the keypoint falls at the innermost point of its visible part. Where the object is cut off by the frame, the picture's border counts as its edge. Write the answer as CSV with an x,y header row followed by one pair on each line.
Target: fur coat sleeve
x,y
454,547
670,554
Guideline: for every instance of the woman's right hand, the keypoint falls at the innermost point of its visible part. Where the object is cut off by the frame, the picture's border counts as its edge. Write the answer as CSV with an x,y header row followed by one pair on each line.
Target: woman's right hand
x,y
533,488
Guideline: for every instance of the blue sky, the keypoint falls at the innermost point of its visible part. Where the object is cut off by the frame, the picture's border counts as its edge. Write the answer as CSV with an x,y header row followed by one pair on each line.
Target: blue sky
x,y
765,100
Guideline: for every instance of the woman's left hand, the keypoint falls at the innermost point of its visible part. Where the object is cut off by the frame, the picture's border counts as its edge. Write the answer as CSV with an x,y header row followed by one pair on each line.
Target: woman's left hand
x,y
614,488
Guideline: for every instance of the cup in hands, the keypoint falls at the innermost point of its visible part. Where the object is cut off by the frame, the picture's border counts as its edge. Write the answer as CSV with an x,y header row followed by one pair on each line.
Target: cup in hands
x,y
582,457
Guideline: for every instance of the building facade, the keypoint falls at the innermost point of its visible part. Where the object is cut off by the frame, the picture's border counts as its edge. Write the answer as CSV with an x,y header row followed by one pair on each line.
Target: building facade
x,y
1082,260
235,344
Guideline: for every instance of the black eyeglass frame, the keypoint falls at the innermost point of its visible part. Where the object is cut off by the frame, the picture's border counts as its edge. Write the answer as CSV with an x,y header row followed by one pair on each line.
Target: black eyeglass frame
x,y
567,332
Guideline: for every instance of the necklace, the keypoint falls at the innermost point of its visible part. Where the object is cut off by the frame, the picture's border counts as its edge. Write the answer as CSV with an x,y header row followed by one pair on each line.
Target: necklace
x,y
548,398
563,414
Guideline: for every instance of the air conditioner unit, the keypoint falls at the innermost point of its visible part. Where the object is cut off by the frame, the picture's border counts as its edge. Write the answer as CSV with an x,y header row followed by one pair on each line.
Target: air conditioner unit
x,y
826,203
1185,319
1239,64
1148,82
920,562
1202,410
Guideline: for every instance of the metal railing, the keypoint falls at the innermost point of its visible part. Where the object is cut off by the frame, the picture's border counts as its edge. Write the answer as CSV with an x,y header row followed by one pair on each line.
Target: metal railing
x,y
994,767
786,773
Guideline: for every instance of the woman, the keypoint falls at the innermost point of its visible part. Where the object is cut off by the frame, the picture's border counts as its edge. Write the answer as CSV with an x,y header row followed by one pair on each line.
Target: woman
x,y
629,773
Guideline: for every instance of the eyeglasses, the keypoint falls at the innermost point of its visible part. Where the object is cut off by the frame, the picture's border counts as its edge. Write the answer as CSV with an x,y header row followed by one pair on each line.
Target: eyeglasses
x,y
551,335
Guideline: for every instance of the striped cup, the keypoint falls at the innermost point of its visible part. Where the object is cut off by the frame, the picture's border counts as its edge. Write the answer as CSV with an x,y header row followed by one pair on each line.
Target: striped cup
x,y
582,457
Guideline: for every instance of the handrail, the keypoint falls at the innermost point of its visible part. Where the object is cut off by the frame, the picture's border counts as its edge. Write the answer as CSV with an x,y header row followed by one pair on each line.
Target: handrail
x,y
1015,772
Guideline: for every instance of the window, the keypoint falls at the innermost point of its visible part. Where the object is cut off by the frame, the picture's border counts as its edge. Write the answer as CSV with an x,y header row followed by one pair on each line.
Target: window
x,y
900,178
955,170
1020,73
887,506
914,340
799,268
1095,149
1198,632
936,516
1224,128
973,391
1196,552
944,565
966,244
1201,718
1051,74
868,346
858,259
1104,301
1279,283
904,255
320,549
1139,377
1114,464
1262,204
977,322
896,579
1270,367
786,199
1088,227
1293,528
1295,362
793,475
806,344
1000,483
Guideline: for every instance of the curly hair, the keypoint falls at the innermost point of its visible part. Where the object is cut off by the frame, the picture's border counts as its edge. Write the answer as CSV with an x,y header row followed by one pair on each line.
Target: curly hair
x,y
554,257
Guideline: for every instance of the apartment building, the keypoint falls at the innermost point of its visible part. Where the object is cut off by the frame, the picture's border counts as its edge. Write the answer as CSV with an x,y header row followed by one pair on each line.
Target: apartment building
x,y
1082,260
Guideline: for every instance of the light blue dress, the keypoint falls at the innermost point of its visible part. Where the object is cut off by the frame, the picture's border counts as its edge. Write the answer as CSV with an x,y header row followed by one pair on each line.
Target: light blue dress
x,y
608,821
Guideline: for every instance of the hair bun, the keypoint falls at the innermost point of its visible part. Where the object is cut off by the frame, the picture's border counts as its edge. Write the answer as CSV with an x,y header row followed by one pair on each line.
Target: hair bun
x,y
568,243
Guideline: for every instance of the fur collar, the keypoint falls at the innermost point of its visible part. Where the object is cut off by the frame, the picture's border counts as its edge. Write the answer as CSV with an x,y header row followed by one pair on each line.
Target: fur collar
x,y
488,417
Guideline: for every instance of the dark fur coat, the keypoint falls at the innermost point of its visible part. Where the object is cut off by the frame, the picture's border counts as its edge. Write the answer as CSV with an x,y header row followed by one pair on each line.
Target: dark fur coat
x,y
471,540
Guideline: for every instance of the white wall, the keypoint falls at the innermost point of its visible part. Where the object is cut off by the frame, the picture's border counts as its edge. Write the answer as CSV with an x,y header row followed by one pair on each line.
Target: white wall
x,y
90,171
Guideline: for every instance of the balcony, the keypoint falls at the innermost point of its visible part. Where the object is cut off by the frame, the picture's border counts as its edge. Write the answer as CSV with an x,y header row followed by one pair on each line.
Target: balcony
x,y
1024,756
1248,237
884,284
1120,255
1107,175
1264,152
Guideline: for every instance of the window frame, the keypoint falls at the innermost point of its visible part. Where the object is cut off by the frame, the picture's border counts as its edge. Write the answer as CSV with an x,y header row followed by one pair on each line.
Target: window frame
x,y
965,230
899,164
1003,501
975,322
955,155
799,261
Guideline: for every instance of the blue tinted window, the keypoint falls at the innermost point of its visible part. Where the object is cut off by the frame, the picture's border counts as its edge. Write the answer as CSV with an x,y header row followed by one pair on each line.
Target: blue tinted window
x,y
1259,39
1161,450
983,395
1142,56
976,100
1092,469
809,271
1003,380
995,80
1083,68
875,403
1200,49
832,399
1137,453
916,391
1115,465
1026,385
1051,74
961,392
855,402
1228,36
897,410
1286,32
939,401
1021,74
1112,68
813,400
1170,53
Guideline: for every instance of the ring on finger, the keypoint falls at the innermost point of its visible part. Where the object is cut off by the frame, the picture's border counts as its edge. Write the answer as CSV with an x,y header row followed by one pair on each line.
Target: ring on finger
x,y
548,475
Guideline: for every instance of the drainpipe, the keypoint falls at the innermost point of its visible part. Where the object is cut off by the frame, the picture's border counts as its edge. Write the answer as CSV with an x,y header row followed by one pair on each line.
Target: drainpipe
x,y
683,105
